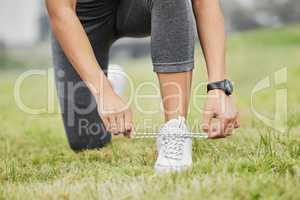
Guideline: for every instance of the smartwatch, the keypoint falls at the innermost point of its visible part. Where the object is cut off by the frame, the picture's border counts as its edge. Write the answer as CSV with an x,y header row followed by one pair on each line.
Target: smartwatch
x,y
224,85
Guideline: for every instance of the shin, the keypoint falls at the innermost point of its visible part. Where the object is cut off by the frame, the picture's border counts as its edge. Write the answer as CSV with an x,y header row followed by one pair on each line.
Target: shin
x,y
175,91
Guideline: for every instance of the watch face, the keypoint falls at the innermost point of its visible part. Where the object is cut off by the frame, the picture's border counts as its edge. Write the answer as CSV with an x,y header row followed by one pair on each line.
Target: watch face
x,y
228,87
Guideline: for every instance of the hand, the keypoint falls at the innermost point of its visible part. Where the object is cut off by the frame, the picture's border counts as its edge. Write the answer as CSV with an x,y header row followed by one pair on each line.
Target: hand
x,y
116,116
221,107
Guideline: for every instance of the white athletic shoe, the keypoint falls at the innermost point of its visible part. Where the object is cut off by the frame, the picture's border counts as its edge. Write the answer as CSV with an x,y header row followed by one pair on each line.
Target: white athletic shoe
x,y
174,147
117,78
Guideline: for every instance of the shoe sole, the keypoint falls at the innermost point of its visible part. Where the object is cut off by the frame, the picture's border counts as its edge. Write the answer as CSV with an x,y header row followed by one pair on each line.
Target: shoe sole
x,y
160,169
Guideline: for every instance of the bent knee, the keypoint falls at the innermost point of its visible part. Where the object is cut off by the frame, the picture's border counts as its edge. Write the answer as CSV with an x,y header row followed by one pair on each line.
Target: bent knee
x,y
82,138
89,143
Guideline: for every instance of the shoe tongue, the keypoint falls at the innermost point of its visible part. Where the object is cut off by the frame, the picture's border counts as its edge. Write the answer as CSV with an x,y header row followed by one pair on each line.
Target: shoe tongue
x,y
174,121
181,118
174,124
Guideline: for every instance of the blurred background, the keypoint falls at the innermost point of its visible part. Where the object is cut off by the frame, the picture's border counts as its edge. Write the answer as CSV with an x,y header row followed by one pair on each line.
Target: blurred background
x,y
261,161
27,26
264,37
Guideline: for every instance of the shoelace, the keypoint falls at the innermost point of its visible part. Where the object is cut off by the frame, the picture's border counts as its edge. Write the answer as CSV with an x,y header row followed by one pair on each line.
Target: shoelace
x,y
144,135
172,141
155,135
172,147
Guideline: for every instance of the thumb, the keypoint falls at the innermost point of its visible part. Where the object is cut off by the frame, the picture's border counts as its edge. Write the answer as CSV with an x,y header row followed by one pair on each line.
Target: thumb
x,y
207,118
129,128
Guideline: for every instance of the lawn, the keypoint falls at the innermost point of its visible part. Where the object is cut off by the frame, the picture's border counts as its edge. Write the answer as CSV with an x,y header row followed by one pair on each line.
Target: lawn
x,y
258,162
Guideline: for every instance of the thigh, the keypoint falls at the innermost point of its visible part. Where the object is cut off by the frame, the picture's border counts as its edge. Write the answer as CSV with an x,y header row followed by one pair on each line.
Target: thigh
x,y
172,36
134,18
97,15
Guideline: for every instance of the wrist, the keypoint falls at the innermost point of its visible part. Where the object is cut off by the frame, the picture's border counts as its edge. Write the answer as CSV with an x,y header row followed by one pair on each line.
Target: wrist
x,y
101,87
217,75
105,92
223,85
216,92
216,78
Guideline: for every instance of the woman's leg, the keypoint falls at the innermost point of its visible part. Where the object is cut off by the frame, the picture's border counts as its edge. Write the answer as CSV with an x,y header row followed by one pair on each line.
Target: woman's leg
x,y
172,28
173,38
172,45
175,89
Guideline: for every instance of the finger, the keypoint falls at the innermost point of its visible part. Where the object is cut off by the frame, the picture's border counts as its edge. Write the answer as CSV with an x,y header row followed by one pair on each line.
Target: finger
x,y
215,131
128,124
237,122
113,125
218,130
121,123
230,127
229,124
105,121
222,127
206,127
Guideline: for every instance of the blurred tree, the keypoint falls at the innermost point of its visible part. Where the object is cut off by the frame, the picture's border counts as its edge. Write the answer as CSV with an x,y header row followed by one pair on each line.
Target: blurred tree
x,y
243,15
44,26
2,54
287,11
238,16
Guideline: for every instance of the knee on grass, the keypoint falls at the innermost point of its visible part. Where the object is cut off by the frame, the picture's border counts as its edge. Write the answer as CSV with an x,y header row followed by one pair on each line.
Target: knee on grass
x,y
89,143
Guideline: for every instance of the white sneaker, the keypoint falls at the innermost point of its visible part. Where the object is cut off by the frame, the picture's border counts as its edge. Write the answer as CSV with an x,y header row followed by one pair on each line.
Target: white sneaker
x,y
117,78
174,147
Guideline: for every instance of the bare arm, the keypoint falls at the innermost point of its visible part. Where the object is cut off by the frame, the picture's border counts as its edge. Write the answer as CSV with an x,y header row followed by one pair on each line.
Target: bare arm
x,y
72,38
211,31
75,43
210,24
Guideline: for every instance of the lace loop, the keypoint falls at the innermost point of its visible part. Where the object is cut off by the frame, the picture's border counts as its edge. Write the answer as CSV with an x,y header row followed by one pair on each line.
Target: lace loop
x,y
173,147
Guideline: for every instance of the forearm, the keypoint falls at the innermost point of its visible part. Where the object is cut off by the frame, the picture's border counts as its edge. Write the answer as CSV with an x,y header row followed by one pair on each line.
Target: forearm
x,y
75,43
210,25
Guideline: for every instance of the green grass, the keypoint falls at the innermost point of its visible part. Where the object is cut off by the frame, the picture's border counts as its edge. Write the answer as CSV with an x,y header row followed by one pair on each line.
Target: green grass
x,y
256,163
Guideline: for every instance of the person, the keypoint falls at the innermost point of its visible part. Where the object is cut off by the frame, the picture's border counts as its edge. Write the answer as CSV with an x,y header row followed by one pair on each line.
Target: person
x,y
83,32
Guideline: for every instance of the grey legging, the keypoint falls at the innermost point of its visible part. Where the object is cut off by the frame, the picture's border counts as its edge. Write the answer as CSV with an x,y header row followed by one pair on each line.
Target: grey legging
x,y
170,24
